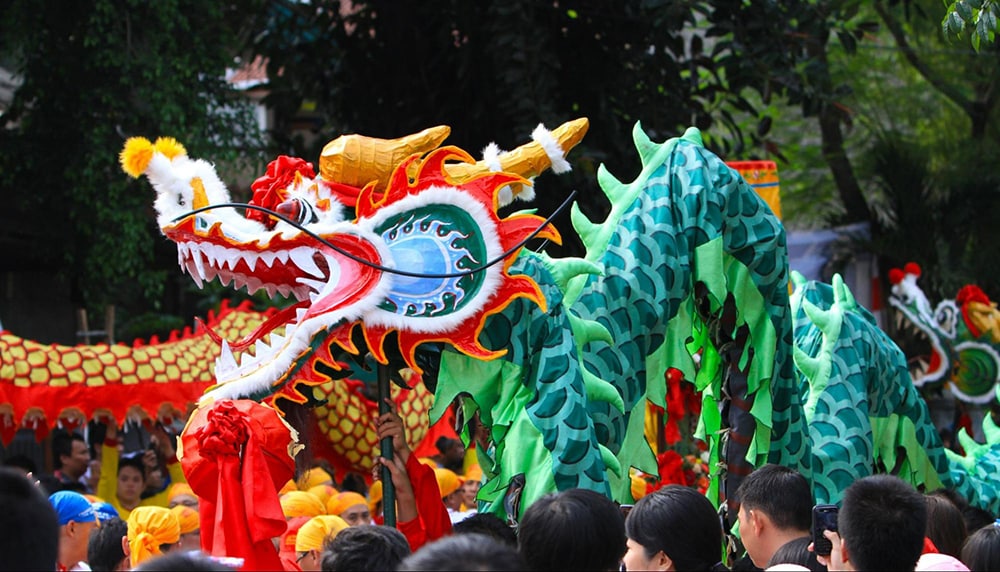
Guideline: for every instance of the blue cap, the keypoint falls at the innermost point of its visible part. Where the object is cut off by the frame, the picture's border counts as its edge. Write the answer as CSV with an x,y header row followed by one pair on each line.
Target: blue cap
x,y
72,506
105,511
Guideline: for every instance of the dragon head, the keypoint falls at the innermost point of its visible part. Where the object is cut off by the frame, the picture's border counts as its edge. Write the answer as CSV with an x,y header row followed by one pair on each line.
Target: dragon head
x,y
402,243
935,327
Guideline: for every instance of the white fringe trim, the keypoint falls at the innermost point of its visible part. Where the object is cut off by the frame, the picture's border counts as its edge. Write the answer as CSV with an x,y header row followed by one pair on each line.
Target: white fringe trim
x,y
557,156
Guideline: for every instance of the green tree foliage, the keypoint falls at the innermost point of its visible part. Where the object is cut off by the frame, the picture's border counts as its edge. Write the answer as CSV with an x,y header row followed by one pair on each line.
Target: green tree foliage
x,y
95,72
493,70
978,18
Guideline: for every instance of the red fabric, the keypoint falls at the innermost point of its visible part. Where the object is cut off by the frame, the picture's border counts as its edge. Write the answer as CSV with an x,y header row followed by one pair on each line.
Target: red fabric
x,y
431,512
445,427
235,457
929,547
271,188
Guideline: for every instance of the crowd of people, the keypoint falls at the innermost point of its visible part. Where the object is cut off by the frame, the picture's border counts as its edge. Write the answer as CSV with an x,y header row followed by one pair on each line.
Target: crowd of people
x,y
136,512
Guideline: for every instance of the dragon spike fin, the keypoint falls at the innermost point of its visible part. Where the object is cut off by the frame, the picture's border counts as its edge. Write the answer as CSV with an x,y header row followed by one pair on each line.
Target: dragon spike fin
x,y
808,365
587,230
610,461
967,463
819,316
600,390
565,269
693,135
643,144
586,331
798,280
609,184
969,445
842,293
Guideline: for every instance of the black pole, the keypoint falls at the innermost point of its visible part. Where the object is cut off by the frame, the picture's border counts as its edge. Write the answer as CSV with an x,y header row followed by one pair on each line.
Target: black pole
x,y
388,489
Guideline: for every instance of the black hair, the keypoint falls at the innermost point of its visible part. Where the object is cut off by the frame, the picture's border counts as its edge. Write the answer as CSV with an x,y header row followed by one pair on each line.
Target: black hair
x,y
21,461
29,527
62,444
366,547
796,552
134,461
883,521
682,523
489,524
945,525
576,529
183,562
104,548
982,549
465,552
781,493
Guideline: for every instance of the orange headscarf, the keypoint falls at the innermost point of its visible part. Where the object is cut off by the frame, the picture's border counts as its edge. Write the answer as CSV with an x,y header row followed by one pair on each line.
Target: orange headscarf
x,y
178,489
343,501
150,527
374,496
187,517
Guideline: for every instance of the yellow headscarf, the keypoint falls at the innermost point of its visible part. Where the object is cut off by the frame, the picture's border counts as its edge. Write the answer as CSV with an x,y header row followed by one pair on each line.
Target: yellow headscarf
x,y
187,517
149,527
343,501
323,492
301,503
448,481
289,487
314,533
374,496
314,477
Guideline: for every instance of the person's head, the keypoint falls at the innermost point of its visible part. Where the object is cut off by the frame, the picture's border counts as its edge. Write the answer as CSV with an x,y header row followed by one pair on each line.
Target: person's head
x,y
451,488
313,535
945,525
375,499
190,522
301,503
180,494
487,524
775,506
467,552
105,550
21,462
105,511
350,506
470,488
796,551
183,562
882,523
70,454
982,549
286,542
452,452
29,526
314,477
576,529
366,547
131,480
77,519
674,528
152,530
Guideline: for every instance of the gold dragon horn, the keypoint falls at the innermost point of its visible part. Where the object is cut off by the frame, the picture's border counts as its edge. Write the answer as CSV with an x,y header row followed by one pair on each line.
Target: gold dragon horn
x,y
531,159
357,160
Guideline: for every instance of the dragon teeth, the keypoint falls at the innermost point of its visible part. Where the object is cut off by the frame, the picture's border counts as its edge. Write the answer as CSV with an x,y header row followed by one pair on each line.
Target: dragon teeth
x,y
303,258
226,362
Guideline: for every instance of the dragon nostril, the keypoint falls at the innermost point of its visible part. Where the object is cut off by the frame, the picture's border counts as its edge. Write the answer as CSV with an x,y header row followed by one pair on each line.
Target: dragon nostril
x,y
291,209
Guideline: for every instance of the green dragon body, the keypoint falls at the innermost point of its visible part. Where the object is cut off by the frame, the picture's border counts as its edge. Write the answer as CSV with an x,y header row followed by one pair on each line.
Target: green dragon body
x,y
559,357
